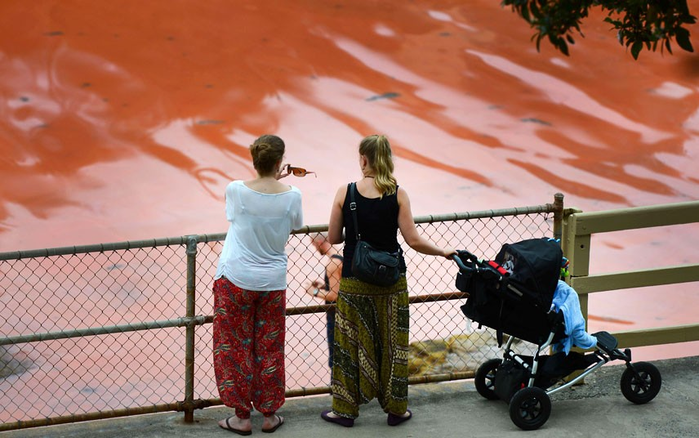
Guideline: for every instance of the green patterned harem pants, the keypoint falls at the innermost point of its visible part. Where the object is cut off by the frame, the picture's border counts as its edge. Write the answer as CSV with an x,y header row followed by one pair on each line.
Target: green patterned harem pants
x,y
371,347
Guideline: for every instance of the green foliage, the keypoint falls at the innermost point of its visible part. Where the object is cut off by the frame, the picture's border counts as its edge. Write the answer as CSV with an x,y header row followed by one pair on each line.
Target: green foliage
x,y
638,23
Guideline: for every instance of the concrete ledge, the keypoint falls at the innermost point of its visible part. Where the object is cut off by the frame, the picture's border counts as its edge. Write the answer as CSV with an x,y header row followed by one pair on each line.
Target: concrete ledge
x,y
450,409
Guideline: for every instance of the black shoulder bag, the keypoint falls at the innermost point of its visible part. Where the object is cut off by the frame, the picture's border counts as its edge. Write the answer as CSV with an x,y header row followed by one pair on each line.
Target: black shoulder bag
x,y
380,268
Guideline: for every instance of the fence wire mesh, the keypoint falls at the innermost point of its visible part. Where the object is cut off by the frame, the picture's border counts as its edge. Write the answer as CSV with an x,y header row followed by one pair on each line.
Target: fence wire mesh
x,y
100,331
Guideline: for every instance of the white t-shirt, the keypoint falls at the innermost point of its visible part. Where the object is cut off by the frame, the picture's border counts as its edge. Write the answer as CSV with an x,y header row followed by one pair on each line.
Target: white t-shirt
x,y
253,255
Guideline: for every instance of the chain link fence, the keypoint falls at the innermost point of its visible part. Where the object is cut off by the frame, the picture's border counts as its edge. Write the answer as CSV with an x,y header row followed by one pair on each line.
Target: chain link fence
x,y
118,329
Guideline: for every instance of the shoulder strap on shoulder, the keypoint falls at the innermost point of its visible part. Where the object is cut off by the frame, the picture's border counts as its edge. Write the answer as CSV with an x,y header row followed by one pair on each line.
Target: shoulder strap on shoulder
x,y
353,209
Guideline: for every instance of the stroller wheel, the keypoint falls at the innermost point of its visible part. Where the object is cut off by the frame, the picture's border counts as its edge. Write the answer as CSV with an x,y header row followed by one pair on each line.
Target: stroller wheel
x,y
641,382
485,378
530,408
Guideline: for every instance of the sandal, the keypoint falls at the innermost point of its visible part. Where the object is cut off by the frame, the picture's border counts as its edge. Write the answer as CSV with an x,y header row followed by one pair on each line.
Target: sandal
x,y
234,430
395,420
276,426
347,422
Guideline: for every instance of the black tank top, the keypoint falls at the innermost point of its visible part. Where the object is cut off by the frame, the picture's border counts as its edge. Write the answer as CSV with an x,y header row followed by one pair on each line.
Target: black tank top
x,y
378,223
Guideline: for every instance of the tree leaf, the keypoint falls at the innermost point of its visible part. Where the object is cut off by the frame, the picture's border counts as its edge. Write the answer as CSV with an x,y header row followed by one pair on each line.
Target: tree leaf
x,y
682,39
682,6
636,49
563,47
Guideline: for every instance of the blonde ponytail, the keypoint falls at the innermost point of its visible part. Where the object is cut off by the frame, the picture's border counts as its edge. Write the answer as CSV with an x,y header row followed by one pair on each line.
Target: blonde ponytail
x,y
377,149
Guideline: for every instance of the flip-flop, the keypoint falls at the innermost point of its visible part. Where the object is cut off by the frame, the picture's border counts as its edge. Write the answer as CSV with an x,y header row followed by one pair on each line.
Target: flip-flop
x,y
234,430
277,426
395,420
347,422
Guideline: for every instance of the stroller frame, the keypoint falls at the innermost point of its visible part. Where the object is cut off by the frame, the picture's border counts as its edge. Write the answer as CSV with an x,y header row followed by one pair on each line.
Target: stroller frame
x,y
605,354
519,380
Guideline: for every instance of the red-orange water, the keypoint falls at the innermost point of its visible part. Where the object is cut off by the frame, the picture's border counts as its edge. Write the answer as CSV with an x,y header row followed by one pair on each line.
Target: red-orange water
x,y
125,120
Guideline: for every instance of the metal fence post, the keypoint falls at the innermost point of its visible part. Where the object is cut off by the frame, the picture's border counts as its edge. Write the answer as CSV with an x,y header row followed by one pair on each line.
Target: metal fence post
x,y
189,349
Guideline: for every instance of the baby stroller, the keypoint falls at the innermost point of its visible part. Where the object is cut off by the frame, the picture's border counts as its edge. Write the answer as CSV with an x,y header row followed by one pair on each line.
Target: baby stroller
x,y
513,295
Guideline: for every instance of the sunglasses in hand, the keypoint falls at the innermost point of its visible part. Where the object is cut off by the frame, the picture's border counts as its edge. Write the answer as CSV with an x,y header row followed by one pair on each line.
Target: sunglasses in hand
x,y
299,171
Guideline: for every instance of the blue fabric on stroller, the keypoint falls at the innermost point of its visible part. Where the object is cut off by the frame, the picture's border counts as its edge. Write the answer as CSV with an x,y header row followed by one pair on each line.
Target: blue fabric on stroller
x,y
566,300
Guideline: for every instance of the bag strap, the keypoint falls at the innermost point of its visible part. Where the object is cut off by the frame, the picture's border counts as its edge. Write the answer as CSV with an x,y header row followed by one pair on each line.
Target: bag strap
x,y
353,209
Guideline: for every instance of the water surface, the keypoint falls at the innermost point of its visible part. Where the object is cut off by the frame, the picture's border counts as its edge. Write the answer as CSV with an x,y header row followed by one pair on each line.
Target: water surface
x,y
125,120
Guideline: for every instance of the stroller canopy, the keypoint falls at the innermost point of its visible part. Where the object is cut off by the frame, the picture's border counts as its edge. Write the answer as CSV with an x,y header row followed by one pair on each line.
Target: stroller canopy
x,y
534,265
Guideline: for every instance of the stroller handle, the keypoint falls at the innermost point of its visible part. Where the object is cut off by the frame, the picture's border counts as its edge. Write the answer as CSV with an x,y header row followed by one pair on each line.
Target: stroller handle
x,y
458,259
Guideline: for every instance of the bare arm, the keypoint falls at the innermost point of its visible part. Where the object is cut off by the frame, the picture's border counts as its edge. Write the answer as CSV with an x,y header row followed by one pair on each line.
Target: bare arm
x,y
410,233
334,272
336,224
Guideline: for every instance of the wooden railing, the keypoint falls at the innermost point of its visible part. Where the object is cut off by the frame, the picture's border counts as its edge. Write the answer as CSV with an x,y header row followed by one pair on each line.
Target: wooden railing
x,y
578,228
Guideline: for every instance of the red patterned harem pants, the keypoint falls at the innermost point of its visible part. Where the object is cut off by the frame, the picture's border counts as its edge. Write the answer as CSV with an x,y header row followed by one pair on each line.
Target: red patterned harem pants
x,y
249,329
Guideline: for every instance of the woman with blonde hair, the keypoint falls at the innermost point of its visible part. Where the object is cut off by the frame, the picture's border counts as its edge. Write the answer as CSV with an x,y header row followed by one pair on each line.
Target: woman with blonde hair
x,y
250,290
370,357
